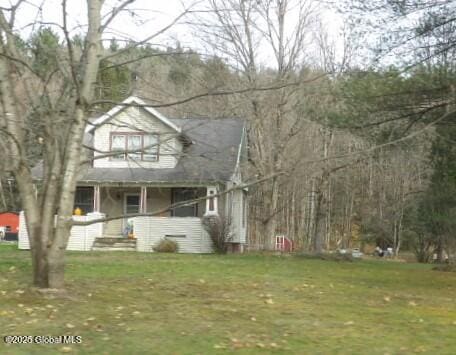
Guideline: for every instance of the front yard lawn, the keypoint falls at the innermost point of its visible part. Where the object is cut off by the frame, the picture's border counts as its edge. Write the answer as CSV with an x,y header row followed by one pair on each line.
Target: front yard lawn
x,y
137,303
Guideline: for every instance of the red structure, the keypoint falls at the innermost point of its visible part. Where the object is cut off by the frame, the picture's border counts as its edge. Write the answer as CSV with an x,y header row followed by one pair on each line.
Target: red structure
x,y
10,220
282,243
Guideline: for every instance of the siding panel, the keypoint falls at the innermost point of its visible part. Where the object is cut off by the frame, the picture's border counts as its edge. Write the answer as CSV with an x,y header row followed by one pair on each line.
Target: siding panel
x,y
133,120
150,230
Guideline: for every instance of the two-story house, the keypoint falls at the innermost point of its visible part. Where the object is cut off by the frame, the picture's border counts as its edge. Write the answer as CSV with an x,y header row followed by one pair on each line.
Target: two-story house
x,y
144,162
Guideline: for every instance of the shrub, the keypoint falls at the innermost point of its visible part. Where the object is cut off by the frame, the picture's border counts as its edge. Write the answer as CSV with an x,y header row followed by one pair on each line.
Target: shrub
x,y
218,229
166,246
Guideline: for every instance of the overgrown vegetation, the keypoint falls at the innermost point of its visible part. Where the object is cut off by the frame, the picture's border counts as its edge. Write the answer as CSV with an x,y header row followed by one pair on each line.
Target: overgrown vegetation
x,y
219,231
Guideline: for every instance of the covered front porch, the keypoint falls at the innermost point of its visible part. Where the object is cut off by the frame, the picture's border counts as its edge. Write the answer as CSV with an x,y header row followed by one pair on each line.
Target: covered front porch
x,y
115,201
182,224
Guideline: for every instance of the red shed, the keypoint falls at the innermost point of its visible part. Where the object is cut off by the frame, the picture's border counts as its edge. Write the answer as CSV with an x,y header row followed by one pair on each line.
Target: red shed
x,y
283,243
11,220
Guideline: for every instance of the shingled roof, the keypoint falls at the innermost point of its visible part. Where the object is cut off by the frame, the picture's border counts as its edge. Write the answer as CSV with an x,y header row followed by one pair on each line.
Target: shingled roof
x,y
211,156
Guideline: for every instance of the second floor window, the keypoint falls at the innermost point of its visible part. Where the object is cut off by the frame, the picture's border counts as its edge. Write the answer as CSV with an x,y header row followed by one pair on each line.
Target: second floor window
x,y
139,146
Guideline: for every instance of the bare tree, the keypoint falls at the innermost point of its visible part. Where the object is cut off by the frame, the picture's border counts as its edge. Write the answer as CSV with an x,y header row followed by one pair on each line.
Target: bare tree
x,y
243,32
51,108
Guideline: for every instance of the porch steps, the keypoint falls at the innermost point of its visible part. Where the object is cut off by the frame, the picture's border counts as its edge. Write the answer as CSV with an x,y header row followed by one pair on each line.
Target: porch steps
x,y
114,243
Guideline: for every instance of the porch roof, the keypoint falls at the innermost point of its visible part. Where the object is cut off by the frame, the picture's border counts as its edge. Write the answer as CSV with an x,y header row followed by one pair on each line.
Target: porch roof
x,y
146,176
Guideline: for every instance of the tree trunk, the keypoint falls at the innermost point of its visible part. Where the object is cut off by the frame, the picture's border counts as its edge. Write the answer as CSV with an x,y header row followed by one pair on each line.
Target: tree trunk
x,y
39,260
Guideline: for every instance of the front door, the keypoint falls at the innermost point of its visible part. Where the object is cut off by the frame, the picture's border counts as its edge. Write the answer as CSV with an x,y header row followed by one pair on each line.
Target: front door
x,y
131,205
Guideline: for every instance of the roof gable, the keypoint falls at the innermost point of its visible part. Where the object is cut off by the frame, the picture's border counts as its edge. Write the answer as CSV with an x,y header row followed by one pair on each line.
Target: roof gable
x,y
130,101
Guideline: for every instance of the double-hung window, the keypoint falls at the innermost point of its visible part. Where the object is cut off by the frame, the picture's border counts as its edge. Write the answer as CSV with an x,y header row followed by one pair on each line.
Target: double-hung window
x,y
118,143
150,147
135,146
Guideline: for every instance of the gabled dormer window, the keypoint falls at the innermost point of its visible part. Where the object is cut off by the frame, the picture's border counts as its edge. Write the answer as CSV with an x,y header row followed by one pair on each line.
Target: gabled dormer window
x,y
140,146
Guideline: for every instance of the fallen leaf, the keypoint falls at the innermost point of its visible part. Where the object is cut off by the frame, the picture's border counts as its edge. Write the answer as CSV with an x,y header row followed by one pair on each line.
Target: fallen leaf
x,y
269,301
386,299
350,322
202,281
260,345
254,319
66,349
412,303
69,326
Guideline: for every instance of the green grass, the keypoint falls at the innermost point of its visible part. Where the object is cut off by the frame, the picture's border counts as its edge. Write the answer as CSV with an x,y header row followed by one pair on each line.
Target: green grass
x,y
136,303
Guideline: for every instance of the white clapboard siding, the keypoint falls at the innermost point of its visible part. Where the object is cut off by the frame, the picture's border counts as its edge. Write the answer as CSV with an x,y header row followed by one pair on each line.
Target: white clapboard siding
x,y
137,120
81,238
150,230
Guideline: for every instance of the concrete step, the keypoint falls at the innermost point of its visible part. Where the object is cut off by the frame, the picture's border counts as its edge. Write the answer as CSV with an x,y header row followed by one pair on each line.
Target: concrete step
x,y
114,243
94,248
110,240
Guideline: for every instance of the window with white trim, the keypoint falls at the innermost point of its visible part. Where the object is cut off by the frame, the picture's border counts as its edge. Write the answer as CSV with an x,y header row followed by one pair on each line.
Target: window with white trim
x,y
211,201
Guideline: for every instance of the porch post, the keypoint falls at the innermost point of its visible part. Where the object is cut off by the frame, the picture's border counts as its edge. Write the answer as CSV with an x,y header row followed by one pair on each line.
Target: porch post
x,y
143,200
211,201
96,198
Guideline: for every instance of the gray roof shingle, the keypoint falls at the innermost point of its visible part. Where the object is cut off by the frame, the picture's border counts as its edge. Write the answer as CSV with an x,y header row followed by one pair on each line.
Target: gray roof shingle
x,y
210,157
